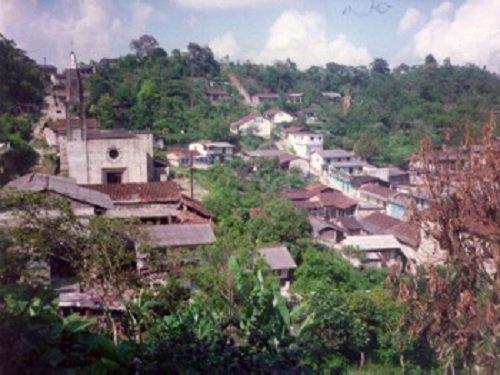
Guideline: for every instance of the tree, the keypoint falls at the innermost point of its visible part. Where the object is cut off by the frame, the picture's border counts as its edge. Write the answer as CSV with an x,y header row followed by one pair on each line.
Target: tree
x,y
380,66
430,62
144,46
100,251
201,61
455,302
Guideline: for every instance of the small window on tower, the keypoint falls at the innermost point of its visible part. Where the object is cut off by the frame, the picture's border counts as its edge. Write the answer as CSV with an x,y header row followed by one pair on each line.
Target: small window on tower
x,y
113,153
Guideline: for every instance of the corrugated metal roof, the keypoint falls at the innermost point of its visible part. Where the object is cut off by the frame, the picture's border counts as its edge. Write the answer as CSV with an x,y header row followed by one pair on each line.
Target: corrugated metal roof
x,y
180,235
372,243
64,186
278,258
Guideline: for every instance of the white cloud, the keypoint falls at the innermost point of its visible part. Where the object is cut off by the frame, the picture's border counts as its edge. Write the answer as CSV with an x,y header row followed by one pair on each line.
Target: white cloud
x,y
224,45
225,4
412,19
302,37
95,28
469,33
444,10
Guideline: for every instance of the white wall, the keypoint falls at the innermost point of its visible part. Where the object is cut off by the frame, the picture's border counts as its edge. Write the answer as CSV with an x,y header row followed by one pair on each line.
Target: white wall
x,y
304,144
282,118
316,164
259,126
87,163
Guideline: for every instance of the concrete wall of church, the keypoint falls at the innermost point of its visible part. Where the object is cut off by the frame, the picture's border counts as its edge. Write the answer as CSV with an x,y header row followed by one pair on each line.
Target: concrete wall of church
x,y
133,158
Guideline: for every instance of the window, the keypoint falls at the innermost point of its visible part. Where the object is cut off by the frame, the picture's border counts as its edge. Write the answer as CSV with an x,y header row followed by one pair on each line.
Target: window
x,y
113,153
114,177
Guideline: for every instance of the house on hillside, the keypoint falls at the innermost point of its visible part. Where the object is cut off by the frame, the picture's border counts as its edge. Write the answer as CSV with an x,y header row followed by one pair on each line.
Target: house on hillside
x,y
378,251
280,261
379,223
278,116
321,161
304,143
334,204
253,124
325,232
265,97
295,97
376,194
212,152
174,246
321,201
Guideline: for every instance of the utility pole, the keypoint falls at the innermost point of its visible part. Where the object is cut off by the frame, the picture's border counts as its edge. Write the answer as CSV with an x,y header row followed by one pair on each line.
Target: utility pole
x,y
191,174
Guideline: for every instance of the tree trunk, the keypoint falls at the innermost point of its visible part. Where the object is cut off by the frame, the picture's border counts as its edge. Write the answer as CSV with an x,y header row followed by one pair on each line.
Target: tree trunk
x,y
361,359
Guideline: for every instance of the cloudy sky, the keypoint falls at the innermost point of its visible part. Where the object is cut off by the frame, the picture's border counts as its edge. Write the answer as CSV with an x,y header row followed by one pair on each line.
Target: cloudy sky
x,y
310,32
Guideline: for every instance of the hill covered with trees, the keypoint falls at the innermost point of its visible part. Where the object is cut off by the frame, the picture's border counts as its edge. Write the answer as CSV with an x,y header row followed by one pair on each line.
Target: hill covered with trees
x,y
388,111
21,96
166,93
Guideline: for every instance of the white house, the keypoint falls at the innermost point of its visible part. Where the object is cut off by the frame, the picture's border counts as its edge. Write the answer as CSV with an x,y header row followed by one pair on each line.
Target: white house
x,y
211,152
322,159
304,143
277,116
254,123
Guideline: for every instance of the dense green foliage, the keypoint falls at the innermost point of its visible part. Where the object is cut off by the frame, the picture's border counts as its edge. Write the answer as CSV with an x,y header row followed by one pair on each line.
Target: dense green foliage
x,y
389,111
165,93
233,317
21,94
20,82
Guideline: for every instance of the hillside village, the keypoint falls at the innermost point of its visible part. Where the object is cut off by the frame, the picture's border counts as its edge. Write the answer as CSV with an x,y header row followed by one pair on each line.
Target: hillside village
x,y
273,159
114,172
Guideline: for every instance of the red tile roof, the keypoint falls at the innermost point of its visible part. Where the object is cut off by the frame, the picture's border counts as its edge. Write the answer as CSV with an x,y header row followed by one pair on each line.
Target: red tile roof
x,y
378,223
336,199
317,187
143,192
378,190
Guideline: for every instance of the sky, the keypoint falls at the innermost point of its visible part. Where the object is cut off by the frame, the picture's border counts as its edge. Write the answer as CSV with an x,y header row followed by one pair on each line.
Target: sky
x,y
309,32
